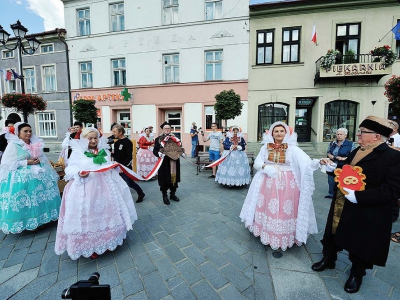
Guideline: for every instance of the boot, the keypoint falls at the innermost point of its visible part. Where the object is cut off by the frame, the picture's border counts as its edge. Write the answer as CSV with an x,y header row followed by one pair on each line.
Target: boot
x,y
140,198
353,284
173,197
165,198
325,263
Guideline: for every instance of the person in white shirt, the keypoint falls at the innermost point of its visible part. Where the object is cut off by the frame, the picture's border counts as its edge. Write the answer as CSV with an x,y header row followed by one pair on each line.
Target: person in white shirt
x,y
216,147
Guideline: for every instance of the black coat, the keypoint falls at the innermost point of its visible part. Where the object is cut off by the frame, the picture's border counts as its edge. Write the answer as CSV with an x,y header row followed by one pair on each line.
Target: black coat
x,y
164,173
364,228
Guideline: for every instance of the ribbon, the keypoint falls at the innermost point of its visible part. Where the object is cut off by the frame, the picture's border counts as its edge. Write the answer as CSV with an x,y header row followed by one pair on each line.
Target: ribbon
x,y
35,149
218,161
98,158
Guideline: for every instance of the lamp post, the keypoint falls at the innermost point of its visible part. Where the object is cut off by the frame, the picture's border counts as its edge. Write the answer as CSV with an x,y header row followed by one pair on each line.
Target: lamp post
x,y
20,32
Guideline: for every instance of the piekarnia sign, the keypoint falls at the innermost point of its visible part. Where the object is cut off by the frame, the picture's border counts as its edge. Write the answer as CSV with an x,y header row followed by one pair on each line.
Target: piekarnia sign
x,y
360,69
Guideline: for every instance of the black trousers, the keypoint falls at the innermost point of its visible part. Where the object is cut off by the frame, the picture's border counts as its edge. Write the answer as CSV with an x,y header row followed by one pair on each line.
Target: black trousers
x,y
132,184
395,210
164,189
330,251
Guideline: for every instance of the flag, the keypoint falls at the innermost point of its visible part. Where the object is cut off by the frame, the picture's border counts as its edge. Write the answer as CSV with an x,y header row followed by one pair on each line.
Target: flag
x,y
314,34
8,75
396,31
14,74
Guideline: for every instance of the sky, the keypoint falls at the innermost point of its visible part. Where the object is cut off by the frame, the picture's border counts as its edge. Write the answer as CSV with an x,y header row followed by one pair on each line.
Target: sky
x,y
36,15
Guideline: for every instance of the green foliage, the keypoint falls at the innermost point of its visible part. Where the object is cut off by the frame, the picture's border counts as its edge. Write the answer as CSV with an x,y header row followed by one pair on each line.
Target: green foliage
x,y
228,105
85,111
25,103
349,57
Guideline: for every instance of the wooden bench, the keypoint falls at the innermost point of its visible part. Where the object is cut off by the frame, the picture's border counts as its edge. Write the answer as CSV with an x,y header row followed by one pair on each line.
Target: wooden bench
x,y
203,159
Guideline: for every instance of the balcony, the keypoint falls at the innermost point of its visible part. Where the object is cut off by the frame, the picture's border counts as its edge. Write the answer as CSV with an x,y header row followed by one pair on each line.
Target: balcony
x,y
353,67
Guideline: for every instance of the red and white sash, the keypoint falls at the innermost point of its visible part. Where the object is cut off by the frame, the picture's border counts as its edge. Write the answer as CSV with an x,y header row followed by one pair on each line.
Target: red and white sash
x,y
218,161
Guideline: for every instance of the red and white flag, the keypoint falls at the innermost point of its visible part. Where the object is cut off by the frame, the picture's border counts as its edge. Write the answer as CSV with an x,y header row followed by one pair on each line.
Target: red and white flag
x,y
8,75
314,34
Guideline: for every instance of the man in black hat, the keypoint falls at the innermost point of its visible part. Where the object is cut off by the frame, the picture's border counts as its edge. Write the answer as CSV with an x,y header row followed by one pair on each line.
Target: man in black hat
x,y
167,145
3,141
361,221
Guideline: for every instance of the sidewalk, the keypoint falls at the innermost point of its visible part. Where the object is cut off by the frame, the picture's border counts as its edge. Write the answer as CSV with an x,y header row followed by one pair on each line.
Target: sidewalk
x,y
194,249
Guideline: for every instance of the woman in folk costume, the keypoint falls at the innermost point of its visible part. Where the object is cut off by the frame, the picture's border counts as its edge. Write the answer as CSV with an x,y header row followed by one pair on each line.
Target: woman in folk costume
x,y
145,157
97,209
168,147
29,195
235,169
278,207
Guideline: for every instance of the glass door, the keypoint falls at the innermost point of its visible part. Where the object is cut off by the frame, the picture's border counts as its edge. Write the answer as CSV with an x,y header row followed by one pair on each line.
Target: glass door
x,y
303,124
124,119
174,119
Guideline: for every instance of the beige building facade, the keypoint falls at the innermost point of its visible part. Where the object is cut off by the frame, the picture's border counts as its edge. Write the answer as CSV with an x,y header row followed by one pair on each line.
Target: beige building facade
x,y
287,83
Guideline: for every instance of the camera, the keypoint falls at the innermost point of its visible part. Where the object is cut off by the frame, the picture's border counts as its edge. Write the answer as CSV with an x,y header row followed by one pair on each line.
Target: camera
x,y
88,290
390,141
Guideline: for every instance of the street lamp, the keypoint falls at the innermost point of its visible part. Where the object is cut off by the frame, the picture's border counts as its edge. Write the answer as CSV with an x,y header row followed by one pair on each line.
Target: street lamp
x,y
20,32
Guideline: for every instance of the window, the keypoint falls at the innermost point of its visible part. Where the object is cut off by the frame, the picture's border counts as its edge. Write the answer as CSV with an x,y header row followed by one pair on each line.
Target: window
x,y
291,45
86,74
117,17
84,21
171,68
265,46
348,38
124,118
119,71
49,79
214,65
213,9
170,12
30,80
47,124
211,118
11,86
270,113
46,48
340,114
174,119
8,54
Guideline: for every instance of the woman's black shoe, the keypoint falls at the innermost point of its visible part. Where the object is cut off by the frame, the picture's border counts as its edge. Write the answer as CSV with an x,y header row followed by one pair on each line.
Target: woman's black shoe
x,y
325,263
140,198
352,284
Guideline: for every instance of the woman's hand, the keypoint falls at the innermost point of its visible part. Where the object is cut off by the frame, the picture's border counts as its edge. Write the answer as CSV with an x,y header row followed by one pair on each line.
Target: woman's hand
x,y
33,161
325,161
83,174
331,156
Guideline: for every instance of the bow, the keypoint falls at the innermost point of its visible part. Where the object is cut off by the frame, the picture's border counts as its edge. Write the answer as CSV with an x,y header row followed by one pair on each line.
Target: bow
x,y
98,158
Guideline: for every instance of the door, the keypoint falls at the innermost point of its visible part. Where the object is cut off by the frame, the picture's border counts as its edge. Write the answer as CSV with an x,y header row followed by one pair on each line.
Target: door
x,y
124,118
174,119
303,124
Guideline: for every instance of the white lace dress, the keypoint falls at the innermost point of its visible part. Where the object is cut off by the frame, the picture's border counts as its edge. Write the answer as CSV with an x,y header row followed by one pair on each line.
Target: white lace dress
x,y
96,212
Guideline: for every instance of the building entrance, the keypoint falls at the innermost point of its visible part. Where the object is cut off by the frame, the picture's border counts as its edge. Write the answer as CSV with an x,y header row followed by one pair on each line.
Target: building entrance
x,y
303,119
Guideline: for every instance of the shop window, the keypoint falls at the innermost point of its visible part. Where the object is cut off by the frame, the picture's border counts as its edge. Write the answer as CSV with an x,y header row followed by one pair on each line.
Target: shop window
x,y
340,114
174,119
269,113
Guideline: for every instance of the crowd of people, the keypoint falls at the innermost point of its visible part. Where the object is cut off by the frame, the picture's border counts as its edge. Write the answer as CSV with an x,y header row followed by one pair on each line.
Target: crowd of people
x,y
97,210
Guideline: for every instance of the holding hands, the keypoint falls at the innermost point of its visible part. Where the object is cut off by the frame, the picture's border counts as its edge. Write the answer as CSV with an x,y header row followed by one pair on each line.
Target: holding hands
x,y
33,161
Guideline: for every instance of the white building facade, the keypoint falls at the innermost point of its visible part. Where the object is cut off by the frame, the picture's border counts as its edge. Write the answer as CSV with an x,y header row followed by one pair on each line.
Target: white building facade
x,y
172,56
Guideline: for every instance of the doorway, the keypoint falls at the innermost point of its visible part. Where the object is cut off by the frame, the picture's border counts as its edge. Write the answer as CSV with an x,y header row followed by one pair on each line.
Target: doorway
x,y
303,124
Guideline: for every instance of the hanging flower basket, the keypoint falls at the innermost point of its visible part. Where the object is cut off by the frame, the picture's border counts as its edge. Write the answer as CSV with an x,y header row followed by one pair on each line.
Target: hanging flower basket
x,y
392,92
384,52
24,103
329,59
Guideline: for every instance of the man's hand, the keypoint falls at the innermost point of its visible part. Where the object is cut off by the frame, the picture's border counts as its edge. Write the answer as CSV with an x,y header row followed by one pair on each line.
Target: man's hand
x,y
161,155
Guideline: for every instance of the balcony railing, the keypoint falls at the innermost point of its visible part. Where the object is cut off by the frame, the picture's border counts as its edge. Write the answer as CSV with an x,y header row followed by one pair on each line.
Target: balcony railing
x,y
353,66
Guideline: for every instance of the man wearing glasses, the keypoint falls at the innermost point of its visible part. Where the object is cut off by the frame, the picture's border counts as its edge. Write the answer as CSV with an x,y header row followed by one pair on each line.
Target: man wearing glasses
x,y
360,222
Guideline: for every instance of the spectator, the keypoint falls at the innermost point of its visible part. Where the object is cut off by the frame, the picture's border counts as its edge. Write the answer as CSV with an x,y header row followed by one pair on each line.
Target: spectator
x,y
194,134
216,148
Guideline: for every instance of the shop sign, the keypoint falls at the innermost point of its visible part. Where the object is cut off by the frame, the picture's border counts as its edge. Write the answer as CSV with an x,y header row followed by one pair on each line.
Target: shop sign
x,y
305,102
100,97
358,69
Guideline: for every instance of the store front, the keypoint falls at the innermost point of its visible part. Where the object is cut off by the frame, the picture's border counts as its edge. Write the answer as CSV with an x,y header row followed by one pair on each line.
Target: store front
x,y
340,114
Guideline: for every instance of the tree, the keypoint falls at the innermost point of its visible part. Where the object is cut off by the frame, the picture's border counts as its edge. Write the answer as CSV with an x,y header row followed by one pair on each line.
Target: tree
x,y
85,111
228,106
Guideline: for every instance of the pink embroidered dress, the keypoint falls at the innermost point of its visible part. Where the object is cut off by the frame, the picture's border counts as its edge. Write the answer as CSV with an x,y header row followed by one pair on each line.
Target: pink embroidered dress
x,y
97,211
145,157
278,207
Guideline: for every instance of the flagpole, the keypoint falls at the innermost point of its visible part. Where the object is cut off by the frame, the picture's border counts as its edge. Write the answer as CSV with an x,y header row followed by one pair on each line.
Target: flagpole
x,y
380,40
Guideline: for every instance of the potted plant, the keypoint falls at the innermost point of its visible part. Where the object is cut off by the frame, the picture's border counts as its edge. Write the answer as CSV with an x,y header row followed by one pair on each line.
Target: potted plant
x,y
349,57
24,103
384,51
329,59
392,92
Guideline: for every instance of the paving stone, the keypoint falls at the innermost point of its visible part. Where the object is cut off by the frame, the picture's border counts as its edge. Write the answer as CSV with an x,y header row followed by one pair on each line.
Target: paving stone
x,y
189,272
199,242
236,278
10,239
136,247
36,287
236,260
155,286
17,282
213,276
174,253
166,268
86,270
250,293
154,250
124,261
236,247
68,268
7,273
213,256
230,292
179,289
24,242
194,255
131,282
146,237
138,296
16,257
217,244
144,264
180,240
260,262
335,288
106,259
297,285
264,288
54,292
49,265
32,260
109,275
203,290
295,258
117,292
5,251
169,229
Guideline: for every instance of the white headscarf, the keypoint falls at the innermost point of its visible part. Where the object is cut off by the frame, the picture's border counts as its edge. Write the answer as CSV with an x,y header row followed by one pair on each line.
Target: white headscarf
x,y
290,137
83,142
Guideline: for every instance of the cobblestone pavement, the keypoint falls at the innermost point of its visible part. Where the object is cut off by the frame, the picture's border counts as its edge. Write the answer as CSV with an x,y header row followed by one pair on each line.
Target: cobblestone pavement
x,y
194,249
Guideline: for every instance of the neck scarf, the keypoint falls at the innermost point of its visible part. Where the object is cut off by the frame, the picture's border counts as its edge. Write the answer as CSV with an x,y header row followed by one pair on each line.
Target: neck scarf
x,y
235,140
98,156
276,152
363,152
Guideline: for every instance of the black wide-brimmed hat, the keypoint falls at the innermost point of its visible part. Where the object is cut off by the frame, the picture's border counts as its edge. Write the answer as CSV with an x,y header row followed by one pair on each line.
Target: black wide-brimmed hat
x,y
163,124
13,120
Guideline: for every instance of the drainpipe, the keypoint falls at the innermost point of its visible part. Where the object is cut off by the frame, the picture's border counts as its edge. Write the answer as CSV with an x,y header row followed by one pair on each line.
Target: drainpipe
x,y
62,39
